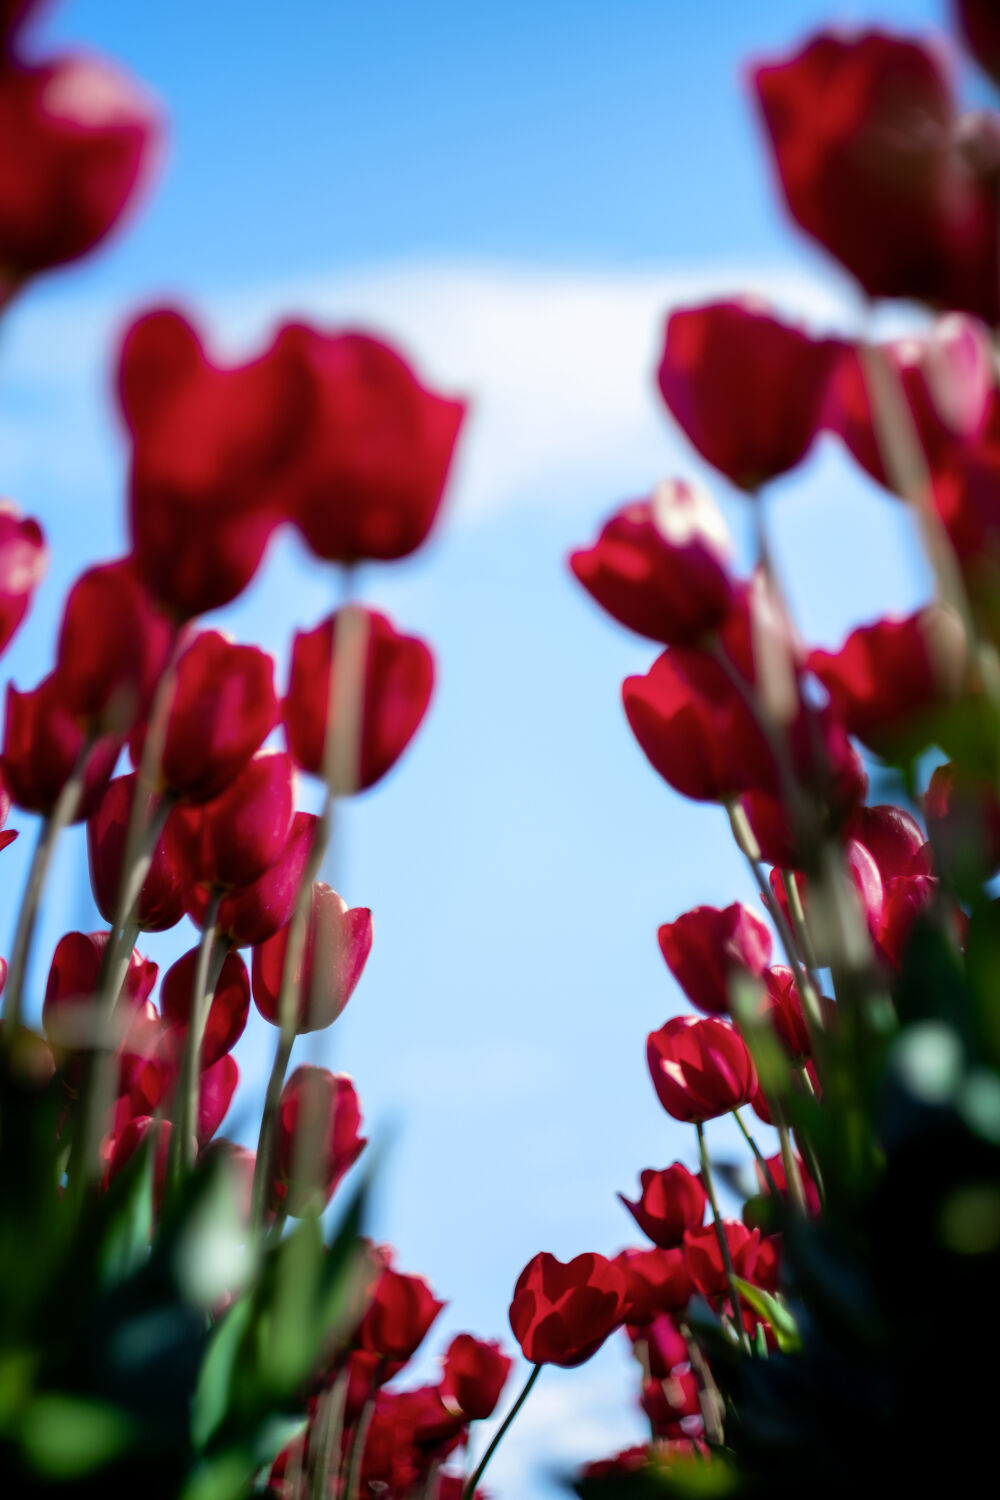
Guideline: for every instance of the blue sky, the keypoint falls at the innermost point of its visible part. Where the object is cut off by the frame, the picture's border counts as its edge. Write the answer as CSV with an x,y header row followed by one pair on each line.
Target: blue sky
x,y
516,194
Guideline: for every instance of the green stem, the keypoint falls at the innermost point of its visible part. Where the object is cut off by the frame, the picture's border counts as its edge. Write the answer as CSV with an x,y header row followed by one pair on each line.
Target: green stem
x,y
208,966
352,1490
62,814
720,1235
498,1436
772,1186
331,1429
793,1177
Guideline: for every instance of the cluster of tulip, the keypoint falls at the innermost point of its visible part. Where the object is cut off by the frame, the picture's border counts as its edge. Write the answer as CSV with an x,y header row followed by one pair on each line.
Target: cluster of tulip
x,y
878,167
333,434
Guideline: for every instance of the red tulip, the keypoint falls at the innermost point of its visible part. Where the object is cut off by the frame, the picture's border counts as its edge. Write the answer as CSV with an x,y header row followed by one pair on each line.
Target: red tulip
x,y
979,24
889,679
776,1167
656,1281
24,559
231,840
704,1257
662,1344
7,835
561,1314
227,1014
253,913
338,941
747,390
127,1142
671,1201
694,726
906,896
317,1139
161,899
216,1087
659,565
866,883
72,986
42,743
892,836
371,473
114,646
398,678
947,383
223,708
700,1068
87,139
781,1007
872,163
401,1310
475,1373
670,1400
210,447
707,950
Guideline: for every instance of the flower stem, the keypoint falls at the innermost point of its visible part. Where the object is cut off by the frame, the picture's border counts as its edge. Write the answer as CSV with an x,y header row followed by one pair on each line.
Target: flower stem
x,y
498,1436
720,1235
208,966
772,1186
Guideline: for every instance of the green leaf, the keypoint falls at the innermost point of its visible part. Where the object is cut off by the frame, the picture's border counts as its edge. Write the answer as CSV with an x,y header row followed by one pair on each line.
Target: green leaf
x,y
65,1437
124,1244
774,1308
212,1393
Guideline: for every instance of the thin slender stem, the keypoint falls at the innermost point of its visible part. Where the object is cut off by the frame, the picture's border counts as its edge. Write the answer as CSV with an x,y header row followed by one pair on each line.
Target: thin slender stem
x,y
331,1432
720,1235
709,1399
352,1490
772,1186
793,1176
798,915
62,814
272,1097
498,1436
208,966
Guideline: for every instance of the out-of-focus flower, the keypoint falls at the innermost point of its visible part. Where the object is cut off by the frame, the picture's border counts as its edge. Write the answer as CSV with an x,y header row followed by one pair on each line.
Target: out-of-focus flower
x,y
338,941
161,900
475,1373
227,1014
659,565
42,743
318,1139
746,389
707,949
24,558
401,1310
395,686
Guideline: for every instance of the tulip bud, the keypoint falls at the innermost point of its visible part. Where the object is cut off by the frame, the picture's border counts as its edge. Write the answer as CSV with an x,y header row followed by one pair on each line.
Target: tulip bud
x,y
227,1014
399,1314
255,912
395,685
42,743
671,1202
707,950
656,1282
700,1068
338,941
160,904
317,1140
231,840
475,1373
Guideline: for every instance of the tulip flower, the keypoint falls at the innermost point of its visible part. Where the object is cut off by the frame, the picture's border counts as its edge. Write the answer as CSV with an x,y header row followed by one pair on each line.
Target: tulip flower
x,y
87,139
892,836
42,743
210,448
776,1169
694,727
868,889
656,1282
980,28
24,559
227,1013
781,1007
399,1314
868,150
664,1346
906,897
216,1087
706,950
371,471
670,1400
72,985
703,1255
396,684
889,679
562,1313
114,646
659,565
230,841
747,390
223,708
253,913
160,904
338,941
671,1201
317,1140
963,820
700,1068
475,1373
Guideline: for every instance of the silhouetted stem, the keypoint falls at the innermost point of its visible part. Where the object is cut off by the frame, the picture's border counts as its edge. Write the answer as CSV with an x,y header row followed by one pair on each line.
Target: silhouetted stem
x,y
208,966
60,817
500,1434
720,1235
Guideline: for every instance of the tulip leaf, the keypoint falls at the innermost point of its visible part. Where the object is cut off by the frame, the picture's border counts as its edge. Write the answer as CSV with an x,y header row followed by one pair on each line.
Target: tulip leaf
x,y
775,1310
65,1437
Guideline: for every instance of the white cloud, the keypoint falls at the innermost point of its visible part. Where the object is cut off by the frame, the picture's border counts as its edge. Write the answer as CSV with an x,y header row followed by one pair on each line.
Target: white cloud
x,y
558,364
